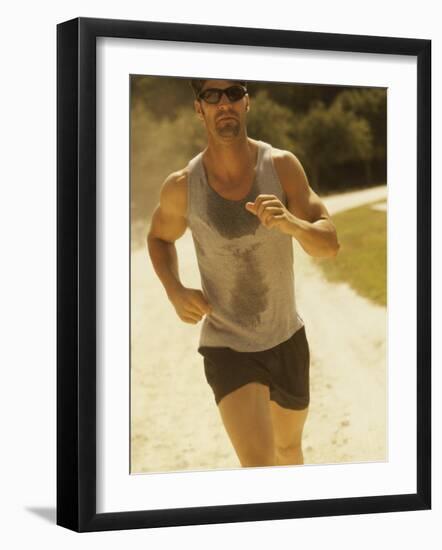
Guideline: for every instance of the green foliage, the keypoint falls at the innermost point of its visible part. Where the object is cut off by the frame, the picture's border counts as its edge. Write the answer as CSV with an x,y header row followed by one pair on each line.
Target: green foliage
x,y
362,258
332,136
299,98
370,104
268,121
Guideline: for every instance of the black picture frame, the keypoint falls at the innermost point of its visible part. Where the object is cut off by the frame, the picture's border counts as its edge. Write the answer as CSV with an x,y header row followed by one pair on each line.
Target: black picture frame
x,y
76,274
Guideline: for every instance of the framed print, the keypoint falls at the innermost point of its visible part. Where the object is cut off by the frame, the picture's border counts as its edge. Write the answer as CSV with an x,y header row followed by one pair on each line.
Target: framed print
x,y
243,274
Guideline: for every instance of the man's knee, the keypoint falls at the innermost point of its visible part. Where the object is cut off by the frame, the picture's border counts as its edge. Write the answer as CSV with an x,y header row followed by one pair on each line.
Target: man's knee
x,y
289,454
290,449
257,457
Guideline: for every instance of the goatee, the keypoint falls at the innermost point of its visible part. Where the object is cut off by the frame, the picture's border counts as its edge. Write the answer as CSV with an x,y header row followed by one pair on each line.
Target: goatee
x,y
228,128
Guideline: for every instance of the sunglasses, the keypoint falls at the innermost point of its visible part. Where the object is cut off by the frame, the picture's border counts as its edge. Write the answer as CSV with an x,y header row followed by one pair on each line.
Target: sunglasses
x,y
214,95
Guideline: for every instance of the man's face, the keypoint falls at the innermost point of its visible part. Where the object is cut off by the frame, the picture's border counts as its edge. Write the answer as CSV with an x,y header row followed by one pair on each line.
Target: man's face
x,y
224,119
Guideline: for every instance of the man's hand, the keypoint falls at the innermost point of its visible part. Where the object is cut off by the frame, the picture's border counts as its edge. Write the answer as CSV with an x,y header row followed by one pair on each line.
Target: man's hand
x,y
271,212
190,304
305,218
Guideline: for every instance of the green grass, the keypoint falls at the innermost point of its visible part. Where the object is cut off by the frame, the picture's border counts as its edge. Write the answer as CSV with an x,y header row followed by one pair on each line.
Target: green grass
x,y
362,259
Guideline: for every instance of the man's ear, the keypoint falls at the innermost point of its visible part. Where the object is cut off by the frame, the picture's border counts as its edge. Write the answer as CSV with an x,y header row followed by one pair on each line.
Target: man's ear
x,y
198,109
247,103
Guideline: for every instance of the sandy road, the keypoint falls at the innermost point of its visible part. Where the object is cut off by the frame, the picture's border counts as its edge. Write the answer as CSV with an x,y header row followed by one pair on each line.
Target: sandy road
x,y
175,423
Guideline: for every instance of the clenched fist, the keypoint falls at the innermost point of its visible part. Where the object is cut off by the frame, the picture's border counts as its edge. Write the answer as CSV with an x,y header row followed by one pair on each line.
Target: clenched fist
x,y
271,212
190,304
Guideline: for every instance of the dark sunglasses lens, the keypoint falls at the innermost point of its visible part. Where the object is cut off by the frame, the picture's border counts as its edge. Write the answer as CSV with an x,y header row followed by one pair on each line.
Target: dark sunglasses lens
x,y
235,93
211,96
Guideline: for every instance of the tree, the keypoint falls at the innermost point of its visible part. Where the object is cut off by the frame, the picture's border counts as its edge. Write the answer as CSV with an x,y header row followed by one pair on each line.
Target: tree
x,y
330,136
371,104
296,96
270,122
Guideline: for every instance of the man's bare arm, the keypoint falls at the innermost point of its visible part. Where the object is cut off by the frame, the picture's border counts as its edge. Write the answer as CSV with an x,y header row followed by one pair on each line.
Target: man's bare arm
x,y
168,225
311,225
306,218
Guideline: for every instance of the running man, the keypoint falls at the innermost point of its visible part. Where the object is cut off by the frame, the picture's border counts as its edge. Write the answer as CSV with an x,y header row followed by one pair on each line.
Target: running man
x,y
244,201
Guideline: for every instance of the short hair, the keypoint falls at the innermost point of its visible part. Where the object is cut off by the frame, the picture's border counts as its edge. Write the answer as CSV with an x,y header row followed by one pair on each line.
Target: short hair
x,y
198,84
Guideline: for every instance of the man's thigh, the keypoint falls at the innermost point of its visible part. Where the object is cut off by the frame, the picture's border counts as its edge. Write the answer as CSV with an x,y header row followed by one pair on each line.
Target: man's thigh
x,y
246,416
288,425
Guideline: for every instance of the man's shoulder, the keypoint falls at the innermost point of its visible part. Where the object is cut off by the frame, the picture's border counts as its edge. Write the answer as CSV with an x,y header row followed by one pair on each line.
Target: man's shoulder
x,y
289,170
283,158
174,190
286,163
177,179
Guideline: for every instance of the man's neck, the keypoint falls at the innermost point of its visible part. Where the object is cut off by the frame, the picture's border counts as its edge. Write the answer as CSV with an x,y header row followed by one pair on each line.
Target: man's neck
x,y
228,162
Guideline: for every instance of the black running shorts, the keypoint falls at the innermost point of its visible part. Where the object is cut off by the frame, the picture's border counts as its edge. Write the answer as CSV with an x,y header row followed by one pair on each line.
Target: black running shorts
x,y
283,368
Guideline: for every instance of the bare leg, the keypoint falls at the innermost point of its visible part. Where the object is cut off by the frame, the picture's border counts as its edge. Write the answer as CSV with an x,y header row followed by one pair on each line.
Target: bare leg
x,y
246,416
288,425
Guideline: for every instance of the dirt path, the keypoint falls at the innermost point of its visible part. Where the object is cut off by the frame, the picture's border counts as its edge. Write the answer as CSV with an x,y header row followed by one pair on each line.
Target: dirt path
x,y
345,201
175,423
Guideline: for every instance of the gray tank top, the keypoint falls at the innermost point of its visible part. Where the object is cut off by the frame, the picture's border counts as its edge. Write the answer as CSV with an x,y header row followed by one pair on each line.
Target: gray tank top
x,y
246,269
